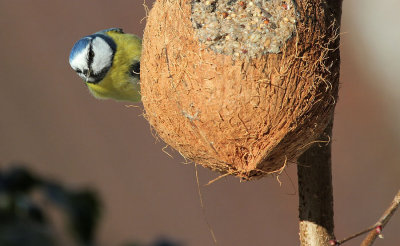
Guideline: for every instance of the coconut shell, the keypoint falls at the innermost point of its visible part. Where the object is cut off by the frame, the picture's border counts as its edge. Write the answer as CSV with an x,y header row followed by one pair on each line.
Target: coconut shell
x,y
247,117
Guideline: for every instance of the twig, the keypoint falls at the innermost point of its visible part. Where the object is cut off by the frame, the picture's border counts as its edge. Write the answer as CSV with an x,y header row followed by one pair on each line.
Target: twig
x,y
370,238
376,229
340,242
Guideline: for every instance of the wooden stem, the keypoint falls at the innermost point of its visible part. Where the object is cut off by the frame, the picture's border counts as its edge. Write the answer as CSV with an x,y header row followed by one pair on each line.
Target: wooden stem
x,y
314,166
315,193
373,234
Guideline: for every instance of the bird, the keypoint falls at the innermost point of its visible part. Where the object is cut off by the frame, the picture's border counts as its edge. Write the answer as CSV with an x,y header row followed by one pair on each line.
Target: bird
x,y
109,63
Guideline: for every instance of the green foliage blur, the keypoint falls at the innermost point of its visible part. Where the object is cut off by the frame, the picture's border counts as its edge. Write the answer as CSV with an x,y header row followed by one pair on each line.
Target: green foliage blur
x,y
27,202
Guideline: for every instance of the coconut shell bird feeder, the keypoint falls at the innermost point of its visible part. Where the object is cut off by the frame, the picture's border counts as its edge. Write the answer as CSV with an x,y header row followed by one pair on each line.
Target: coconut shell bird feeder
x,y
241,87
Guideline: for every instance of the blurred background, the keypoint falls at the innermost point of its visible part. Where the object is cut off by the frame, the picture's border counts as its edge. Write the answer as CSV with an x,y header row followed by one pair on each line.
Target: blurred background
x,y
49,121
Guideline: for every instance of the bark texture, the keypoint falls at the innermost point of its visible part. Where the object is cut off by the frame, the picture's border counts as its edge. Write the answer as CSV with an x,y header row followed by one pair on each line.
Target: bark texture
x,y
314,166
315,194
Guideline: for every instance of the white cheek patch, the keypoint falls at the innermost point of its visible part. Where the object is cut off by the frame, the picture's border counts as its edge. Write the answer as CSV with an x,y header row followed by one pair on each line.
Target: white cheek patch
x,y
103,55
80,60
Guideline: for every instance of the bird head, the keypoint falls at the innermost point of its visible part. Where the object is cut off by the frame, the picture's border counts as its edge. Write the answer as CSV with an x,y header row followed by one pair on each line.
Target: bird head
x,y
92,56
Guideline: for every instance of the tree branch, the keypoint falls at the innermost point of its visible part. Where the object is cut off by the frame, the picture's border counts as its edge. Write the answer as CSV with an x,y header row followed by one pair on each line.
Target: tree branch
x,y
369,240
376,229
315,193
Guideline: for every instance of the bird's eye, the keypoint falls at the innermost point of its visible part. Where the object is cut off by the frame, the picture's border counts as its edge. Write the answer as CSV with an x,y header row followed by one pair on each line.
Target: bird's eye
x,y
135,69
78,70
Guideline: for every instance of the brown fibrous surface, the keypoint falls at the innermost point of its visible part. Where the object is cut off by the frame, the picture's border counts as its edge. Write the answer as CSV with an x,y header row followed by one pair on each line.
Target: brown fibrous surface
x,y
244,117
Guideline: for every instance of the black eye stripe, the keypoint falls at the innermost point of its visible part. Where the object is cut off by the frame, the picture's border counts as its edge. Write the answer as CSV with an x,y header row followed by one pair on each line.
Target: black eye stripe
x,y
99,76
91,55
85,71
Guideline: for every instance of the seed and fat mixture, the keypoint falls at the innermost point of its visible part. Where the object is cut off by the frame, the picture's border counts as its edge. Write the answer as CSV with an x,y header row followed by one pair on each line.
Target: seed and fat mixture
x,y
244,28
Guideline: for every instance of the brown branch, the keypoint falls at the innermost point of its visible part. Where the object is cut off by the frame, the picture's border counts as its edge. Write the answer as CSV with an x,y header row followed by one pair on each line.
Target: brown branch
x,y
340,242
369,240
376,229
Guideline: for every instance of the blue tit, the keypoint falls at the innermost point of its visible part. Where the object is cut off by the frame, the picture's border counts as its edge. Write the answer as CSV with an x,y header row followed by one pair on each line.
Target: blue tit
x,y
109,63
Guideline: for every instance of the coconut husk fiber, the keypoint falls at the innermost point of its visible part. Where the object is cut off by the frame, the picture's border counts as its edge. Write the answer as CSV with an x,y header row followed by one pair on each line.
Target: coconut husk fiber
x,y
247,116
